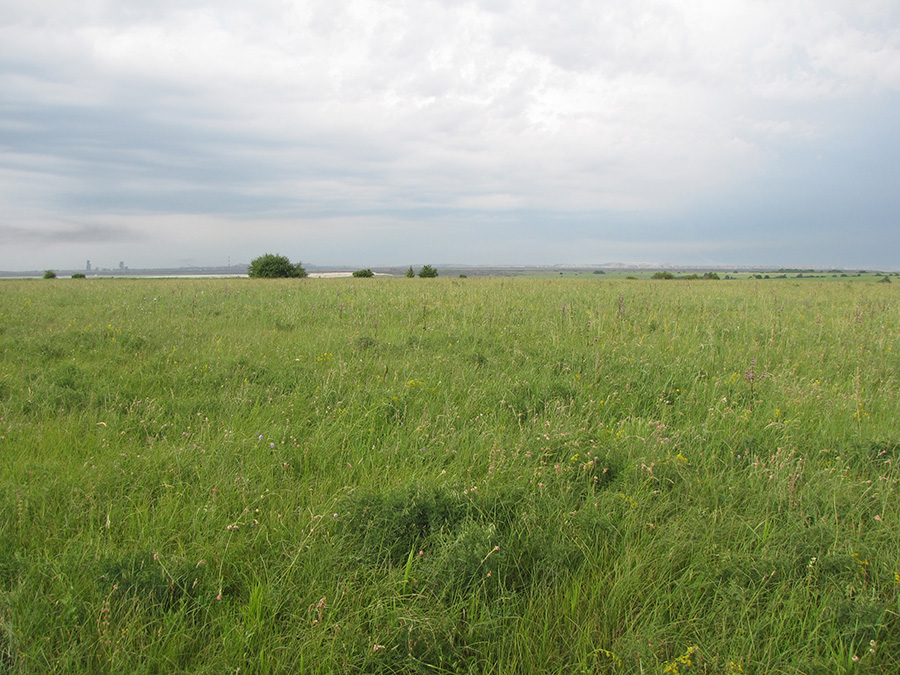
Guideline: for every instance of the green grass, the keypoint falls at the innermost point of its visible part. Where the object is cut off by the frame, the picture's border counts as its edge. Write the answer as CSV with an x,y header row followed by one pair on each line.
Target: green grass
x,y
588,475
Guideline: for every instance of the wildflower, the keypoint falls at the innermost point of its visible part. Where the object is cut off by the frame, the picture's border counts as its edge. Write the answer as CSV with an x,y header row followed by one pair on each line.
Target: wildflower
x,y
683,660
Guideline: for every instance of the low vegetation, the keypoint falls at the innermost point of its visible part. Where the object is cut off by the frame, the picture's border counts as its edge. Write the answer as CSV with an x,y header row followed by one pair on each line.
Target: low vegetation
x,y
272,266
428,272
477,476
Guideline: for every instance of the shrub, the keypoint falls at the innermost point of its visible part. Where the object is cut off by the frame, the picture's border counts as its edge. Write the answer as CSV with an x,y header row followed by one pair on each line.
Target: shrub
x,y
364,273
49,274
663,275
409,273
428,272
270,266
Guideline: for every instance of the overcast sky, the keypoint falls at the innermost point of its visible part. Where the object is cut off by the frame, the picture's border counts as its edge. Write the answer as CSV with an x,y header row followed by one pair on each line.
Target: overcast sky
x,y
396,132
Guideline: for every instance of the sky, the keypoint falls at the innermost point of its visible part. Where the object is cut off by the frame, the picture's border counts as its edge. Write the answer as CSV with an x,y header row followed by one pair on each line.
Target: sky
x,y
404,132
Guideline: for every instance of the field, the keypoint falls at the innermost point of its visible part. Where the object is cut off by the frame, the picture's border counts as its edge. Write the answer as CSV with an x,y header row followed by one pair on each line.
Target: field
x,y
449,476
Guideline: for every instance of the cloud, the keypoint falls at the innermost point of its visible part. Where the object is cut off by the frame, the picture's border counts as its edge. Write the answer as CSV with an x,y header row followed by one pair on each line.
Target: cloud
x,y
281,112
74,233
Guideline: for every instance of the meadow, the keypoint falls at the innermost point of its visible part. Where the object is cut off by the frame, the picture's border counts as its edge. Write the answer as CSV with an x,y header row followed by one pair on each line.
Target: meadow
x,y
449,476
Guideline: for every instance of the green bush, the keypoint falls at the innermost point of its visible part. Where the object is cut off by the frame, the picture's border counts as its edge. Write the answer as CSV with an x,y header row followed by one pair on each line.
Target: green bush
x,y
366,273
79,275
270,266
49,274
410,273
428,272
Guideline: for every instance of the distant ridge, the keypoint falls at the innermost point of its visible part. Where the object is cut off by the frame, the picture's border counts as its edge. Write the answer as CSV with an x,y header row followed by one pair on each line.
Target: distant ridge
x,y
444,269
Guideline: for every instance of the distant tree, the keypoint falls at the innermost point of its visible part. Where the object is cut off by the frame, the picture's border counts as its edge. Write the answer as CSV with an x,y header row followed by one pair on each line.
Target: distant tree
x,y
663,275
428,272
711,275
79,275
49,274
410,273
364,273
270,266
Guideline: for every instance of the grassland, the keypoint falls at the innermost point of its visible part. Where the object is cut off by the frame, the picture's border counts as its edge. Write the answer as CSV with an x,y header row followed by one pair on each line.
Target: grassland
x,y
452,475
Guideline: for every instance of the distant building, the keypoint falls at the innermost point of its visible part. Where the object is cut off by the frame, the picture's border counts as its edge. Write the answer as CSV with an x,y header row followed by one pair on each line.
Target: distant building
x,y
121,264
88,266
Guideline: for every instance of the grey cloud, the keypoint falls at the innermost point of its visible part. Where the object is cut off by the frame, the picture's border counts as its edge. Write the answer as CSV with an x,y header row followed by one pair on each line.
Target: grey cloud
x,y
574,117
74,233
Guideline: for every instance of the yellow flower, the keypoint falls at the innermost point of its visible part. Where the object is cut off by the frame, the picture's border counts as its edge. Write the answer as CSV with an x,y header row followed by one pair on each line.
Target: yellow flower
x,y
683,660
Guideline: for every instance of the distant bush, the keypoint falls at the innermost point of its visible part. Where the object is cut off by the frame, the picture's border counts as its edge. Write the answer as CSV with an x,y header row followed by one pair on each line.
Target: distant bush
x,y
410,273
428,272
79,275
366,273
663,275
270,266
49,274
884,280
711,275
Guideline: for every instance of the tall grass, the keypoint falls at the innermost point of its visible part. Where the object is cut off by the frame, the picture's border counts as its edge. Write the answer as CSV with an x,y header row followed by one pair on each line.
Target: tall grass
x,y
484,476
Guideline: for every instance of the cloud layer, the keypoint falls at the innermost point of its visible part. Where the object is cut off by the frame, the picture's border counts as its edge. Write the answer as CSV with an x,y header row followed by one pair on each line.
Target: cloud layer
x,y
381,132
